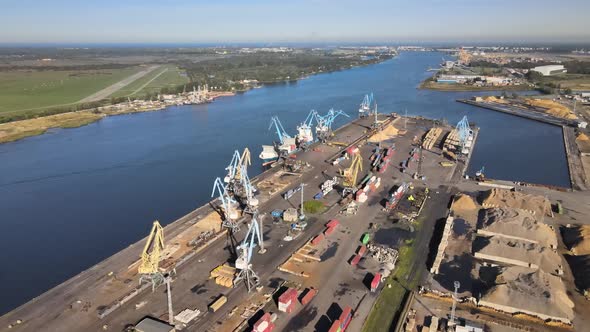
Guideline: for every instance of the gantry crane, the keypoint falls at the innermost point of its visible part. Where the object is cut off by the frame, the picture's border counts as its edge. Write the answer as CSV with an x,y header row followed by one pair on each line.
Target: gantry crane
x,y
304,132
234,169
228,204
253,237
464,132
251,202
365,106
324,126
350,174
244,162
150,257
281,132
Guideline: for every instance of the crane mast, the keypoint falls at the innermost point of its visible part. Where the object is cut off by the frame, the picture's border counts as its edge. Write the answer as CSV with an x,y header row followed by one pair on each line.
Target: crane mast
x,y
351,173
243,262
228,204
150,257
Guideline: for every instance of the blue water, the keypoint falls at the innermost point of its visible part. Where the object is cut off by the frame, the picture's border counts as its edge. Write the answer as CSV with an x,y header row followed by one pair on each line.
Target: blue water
x,y
73,197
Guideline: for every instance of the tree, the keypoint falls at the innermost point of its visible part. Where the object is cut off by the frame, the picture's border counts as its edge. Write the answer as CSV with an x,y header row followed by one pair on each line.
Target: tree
x,y
568,91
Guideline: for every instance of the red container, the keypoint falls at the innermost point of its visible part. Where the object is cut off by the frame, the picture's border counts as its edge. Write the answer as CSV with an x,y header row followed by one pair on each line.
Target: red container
x,y
311,293
335,326
375,282
317,239
361,250
355,260
287,300
372,187
264,324
329,231
345,318
333,223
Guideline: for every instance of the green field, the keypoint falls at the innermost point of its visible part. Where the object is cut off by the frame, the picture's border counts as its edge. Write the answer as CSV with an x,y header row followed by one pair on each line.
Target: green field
x,y
30,90
579,82
167,76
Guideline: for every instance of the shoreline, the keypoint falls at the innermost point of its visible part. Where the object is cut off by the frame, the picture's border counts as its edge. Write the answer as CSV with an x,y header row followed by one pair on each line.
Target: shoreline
x,y
17,130
430,85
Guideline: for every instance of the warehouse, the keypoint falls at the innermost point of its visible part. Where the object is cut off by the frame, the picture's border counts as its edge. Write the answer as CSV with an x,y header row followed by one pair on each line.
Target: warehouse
x,y
550,70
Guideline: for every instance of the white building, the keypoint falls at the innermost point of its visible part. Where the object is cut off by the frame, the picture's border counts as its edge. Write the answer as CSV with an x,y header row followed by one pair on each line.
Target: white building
x,y
550,70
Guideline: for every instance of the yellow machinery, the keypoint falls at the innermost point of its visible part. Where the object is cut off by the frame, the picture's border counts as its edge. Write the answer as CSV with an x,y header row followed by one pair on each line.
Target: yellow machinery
x,y
350,174
337,143
150,257
244,161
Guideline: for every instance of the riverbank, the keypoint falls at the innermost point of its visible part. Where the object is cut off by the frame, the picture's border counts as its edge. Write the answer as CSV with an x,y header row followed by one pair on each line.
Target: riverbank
x,y
16,130
428,84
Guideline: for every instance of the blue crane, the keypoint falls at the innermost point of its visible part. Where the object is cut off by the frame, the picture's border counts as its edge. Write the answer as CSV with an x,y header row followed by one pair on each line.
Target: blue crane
x,y
233,167
324,126
252,238
274,121
464,131
313,115
365,106
304,132
227,203
249,191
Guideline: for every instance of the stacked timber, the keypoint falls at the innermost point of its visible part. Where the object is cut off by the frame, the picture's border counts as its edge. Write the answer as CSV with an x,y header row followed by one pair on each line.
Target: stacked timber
x,y
224,275
431,137
452,141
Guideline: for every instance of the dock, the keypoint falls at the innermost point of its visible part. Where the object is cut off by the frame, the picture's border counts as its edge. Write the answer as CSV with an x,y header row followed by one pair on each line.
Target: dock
x,y
108,297
520,112
574,162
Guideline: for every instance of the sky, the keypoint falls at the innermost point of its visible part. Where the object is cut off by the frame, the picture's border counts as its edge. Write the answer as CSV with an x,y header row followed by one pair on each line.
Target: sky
x,y
215,21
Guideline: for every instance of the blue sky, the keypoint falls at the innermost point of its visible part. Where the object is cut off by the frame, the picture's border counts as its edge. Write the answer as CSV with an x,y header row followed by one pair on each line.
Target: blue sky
x,y
184,21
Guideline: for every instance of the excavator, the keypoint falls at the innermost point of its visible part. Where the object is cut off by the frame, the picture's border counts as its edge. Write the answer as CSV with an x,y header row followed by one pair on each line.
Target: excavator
x,y
150,257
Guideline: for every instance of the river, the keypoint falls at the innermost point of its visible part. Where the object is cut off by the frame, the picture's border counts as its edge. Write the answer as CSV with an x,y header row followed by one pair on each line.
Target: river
x,y
72,197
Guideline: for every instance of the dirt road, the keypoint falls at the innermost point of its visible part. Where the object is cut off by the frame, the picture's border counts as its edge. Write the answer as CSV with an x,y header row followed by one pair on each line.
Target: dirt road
x,y
106,92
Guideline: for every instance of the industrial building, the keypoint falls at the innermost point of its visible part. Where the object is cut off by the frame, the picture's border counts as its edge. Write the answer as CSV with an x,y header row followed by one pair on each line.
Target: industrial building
x,y
550,70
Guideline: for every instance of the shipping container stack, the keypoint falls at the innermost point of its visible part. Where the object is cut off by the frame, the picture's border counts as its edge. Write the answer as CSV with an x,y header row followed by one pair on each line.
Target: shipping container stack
x,y
287,300
264,324
375,282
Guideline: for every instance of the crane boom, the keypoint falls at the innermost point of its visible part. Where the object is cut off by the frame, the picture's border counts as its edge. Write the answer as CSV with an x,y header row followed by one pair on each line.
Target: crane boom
x,y
351,174
150,256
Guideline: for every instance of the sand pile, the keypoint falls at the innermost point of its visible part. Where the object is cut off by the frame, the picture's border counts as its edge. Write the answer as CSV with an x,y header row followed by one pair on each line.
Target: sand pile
x,y
516,224
536,293
463,202
538,206
554,108
580,245
583,142
493,99
387,133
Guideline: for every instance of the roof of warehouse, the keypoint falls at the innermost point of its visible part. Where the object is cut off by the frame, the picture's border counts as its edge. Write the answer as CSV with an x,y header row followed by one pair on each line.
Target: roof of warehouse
x,y
149,324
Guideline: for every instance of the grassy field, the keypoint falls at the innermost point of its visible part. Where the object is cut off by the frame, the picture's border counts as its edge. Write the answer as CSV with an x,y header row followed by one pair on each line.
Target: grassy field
x,y
427,84
390,299
27,90
579,82
167,76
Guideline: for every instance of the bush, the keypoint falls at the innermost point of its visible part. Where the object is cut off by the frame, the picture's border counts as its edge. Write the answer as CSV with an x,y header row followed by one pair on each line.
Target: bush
x,y
313,207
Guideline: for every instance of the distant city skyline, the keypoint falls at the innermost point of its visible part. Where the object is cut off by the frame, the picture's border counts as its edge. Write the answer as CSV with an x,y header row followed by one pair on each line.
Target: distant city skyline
x,y
373,21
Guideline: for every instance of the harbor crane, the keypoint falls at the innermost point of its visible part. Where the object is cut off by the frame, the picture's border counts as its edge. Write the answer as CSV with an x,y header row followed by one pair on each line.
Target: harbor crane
x,y
304,132
324,126
244,163
248,192
243,262
234,169
365,107
350,174
281,132
464,132
228,205
149,268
